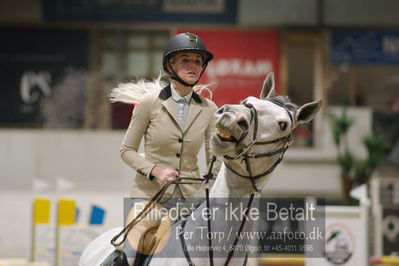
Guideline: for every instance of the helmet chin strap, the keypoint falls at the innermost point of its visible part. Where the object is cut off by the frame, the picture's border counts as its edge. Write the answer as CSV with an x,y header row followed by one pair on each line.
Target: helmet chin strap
x,y
177,78
173,75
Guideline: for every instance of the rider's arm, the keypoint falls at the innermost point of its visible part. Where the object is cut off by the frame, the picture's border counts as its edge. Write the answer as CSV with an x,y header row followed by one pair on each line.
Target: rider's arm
x,y
131,142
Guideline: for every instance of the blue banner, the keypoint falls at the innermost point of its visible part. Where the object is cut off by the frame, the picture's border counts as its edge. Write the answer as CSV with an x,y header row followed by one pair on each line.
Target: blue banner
x,y
365,47
215,11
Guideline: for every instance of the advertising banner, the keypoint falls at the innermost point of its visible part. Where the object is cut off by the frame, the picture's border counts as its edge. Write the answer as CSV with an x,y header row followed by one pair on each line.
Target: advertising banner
x,y
216,11
390,230
345,237
365,47
385,199
242,60
38,64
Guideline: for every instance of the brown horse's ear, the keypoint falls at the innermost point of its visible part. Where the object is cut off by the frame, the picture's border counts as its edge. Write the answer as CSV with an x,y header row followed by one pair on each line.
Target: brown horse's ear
x,y
268,87
307,111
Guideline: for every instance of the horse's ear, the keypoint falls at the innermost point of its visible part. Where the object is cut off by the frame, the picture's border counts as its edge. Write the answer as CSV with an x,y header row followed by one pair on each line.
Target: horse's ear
x,y
268,87
307,111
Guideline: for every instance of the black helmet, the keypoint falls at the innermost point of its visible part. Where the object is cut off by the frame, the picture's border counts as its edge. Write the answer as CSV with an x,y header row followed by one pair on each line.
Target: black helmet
x,y
185,42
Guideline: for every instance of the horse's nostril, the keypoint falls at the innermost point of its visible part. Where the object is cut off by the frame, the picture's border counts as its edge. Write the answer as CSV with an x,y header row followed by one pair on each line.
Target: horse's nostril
x,y
243,124
282,125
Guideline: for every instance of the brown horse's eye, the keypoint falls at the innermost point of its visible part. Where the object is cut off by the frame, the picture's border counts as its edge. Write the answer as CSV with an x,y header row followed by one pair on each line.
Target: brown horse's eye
x,y
282,125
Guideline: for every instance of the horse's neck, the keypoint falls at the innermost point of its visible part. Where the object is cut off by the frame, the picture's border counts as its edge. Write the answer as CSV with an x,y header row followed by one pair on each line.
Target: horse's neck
x,y
229,197
230,185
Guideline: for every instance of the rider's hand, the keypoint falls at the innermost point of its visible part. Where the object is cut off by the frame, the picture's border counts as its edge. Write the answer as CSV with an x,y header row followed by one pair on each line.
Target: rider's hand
x,y
164,175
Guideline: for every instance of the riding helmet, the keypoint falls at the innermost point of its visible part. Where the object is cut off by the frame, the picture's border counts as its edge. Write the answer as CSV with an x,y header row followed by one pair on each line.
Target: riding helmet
x,y
185,42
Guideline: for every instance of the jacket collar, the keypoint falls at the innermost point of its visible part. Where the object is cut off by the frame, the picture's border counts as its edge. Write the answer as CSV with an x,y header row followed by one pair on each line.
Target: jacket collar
x,y
167,92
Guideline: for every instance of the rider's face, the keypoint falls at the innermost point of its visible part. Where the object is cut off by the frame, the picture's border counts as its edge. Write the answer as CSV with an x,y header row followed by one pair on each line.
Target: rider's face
x,y
188,66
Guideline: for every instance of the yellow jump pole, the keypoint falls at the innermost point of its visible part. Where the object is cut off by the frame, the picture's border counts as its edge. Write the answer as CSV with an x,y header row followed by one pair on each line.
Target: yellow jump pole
x,y
385,260
282,261
40,215
65,216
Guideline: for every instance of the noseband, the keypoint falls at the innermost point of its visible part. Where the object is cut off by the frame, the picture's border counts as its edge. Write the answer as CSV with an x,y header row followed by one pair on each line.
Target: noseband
x,y
246,154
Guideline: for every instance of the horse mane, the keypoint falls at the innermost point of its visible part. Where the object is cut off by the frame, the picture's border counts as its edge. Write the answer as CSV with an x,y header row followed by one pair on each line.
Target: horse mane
x,y
133,92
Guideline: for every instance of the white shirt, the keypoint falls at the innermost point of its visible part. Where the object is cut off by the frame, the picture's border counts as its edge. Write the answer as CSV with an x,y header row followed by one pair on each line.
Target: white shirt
x,y
182,105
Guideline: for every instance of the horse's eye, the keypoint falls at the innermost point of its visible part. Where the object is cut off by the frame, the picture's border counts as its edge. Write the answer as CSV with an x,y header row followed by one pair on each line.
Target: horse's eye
x,y
247,104
282,125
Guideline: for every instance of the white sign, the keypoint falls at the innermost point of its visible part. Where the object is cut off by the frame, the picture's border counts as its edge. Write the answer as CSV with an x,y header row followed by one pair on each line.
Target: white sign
x,y
345,237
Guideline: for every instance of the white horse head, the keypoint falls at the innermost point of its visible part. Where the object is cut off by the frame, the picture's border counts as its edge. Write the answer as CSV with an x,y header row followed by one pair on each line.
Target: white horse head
x,y
258,129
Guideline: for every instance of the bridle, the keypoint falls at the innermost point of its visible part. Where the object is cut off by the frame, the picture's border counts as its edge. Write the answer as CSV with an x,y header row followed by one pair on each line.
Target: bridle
x,y
247,154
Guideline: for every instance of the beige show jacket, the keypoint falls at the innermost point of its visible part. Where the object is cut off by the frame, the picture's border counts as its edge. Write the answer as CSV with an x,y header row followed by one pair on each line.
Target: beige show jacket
x,y
166,144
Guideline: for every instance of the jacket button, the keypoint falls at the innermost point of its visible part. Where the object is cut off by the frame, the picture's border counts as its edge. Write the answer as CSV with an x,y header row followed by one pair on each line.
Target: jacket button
x,y
180,140
178,155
